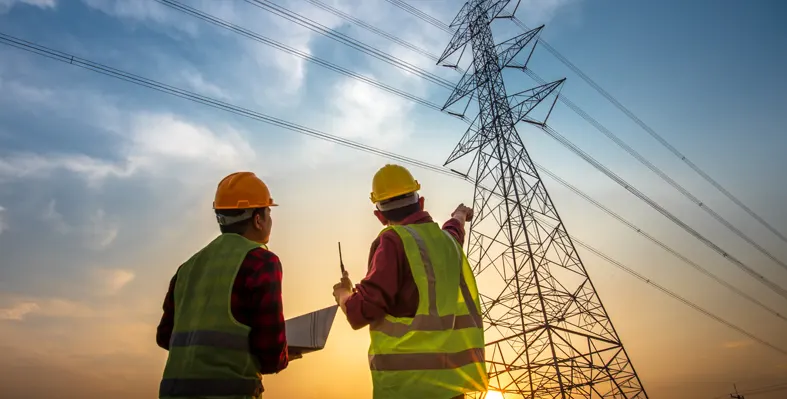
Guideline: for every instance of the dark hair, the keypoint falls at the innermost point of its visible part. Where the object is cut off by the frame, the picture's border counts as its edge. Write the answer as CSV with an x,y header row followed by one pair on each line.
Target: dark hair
x,y
399,214
242,226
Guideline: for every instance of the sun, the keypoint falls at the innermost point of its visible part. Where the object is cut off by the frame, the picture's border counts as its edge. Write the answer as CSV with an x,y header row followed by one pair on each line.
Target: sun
x,y
493,395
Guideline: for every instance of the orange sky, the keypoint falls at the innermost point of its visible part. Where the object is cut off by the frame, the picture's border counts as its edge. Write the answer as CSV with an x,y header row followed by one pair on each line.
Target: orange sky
x,y
104,343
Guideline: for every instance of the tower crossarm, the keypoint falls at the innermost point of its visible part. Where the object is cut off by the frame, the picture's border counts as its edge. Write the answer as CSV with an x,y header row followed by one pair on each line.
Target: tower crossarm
x,y
509,49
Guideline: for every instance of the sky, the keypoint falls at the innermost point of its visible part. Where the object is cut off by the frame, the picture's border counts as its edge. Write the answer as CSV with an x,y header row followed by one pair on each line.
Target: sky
x,y
106,186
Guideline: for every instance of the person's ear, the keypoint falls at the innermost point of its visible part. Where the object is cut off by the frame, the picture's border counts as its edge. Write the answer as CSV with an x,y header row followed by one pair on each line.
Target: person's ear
x,y
421,203
259,221
380,217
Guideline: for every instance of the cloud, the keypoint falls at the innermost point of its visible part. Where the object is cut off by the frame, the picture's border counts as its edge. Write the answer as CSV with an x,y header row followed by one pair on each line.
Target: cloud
x,y
737,344
31,165
7,5
111,281
144,11
96,234
3,223
22,307
268,74
159,139
197,82
363,114
18,311
156,142
52,216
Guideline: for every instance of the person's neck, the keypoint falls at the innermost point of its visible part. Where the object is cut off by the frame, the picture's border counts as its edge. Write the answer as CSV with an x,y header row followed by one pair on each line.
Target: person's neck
x,y
254,239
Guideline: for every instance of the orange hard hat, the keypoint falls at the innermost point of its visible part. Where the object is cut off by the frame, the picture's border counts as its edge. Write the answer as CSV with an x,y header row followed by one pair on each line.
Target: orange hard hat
x,y
242,190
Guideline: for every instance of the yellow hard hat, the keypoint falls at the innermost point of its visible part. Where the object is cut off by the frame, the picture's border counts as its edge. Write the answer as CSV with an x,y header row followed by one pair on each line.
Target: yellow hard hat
x,y
392,181
242,190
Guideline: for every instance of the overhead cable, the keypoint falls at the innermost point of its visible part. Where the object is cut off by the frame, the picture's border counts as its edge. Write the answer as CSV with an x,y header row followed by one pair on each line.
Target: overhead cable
x,y
298,53
639,194
655,169
205,100
374,29
661,244
207,17
759,277
664,290
437,23
655,135
349,41
639,157
149,83
421,15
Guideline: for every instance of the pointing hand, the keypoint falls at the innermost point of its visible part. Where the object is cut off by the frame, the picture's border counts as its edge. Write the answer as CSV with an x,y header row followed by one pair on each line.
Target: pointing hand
x,y
463,213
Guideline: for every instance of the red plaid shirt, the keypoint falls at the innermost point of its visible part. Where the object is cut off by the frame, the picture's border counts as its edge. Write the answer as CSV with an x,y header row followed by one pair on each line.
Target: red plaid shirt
x,y
256,302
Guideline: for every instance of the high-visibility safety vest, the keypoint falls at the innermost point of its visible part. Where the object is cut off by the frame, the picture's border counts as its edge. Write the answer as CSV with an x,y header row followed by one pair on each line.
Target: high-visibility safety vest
x,y
439,353
209,350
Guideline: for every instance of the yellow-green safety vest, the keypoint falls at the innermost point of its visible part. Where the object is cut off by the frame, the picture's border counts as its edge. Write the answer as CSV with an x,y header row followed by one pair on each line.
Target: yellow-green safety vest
x,y
209,350
439,353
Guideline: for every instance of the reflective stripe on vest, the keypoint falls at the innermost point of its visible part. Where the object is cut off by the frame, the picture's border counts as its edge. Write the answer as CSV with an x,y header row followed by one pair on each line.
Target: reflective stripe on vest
x,y
174,387
218,339
425,361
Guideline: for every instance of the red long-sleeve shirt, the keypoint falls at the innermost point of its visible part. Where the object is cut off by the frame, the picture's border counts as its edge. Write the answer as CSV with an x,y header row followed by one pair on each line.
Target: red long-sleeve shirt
x,y
256,302
389,287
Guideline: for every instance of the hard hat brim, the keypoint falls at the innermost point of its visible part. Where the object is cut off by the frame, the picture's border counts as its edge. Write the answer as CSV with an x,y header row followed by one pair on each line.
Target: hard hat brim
x,y
245,207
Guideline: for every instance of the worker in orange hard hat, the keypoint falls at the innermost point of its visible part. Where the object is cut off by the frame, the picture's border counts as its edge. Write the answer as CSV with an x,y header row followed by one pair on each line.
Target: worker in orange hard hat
x,y
223,323
419,298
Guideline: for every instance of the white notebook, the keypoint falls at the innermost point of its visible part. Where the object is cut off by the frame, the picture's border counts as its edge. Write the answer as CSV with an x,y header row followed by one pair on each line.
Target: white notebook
x,y
309,332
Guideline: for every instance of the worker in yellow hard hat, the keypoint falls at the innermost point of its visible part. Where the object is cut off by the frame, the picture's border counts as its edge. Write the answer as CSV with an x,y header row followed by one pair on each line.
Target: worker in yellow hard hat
x,y
223,323
419,298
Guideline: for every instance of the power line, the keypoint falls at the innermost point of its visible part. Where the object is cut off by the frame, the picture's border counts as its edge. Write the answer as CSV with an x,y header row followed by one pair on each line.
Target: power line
x,y
205,100
661,244
207,17
374,29
435,22
349,41
666,213
639,194
653,133
601,128
298,53
670,293
760,390
422,15
655,169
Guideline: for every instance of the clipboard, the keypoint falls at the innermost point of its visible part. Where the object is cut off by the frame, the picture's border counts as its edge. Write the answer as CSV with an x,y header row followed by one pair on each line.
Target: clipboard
x,y
309,332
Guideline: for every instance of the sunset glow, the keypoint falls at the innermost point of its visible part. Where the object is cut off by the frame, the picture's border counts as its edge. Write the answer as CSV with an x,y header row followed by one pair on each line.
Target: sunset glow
x,y
493,395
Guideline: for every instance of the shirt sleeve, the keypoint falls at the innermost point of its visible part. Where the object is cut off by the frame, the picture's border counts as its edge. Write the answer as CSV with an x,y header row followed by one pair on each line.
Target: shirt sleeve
x,y
376,292
164,330
267,338
456,229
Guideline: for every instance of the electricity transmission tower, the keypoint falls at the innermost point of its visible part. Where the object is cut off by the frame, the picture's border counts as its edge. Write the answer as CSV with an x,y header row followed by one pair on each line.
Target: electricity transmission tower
x,y
547,332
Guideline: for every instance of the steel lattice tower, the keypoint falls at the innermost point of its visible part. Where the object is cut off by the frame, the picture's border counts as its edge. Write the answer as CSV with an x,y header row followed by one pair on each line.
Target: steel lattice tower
x,y
547,332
